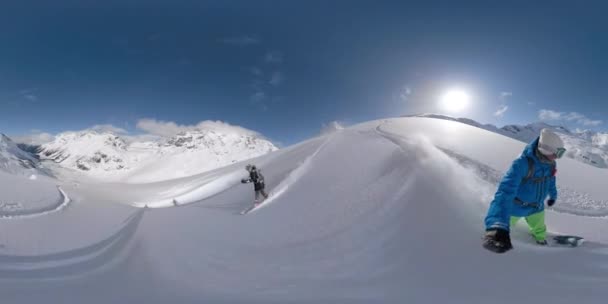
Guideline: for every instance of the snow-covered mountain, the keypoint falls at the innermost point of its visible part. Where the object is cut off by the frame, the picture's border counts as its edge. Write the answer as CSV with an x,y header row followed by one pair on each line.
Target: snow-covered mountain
x,y
87,151
403,225
585,146
196,151
16,161
107,156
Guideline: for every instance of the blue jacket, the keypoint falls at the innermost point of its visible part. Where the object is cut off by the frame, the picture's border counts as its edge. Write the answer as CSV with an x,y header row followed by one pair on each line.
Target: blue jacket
x,y
515,185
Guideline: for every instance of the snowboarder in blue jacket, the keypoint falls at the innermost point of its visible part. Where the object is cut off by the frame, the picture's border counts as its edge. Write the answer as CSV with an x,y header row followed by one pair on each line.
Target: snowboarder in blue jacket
x,y
522,193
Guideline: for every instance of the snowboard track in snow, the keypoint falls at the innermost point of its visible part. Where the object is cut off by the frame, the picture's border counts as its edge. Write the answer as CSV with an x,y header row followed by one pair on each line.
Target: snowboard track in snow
x,y
569,201
62,203
291,178
72,262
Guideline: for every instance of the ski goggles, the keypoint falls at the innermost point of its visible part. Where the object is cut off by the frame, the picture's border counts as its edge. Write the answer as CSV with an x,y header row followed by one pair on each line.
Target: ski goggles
x,y
560,152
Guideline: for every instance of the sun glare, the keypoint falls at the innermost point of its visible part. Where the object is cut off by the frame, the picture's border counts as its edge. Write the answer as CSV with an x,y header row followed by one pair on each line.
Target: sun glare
x,y
455,100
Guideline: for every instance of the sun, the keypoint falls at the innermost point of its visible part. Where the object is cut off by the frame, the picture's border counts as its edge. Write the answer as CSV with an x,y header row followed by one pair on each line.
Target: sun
x,y
455,100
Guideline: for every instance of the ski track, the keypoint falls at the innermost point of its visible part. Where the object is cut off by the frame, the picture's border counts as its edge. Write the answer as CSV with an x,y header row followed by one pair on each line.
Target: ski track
x,y
74,262
61,204
291,179
206,190
213,186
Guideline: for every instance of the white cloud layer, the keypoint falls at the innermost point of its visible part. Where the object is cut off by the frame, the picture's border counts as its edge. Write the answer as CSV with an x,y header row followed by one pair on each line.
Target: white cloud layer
x,y
169,128
565,116
34,138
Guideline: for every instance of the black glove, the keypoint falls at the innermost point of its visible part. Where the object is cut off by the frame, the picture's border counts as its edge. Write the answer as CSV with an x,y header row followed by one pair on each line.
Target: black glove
x,y
550,202
497,240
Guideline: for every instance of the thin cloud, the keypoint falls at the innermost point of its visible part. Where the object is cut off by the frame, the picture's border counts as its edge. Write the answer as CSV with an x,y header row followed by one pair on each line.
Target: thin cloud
x,y
501,111
30,97
258,96
259,99
28,91
241,41
160,128
571,117
273,57
405,93
505,95
256,71
108,128
34,138
22,97
549,115
129,139
276,79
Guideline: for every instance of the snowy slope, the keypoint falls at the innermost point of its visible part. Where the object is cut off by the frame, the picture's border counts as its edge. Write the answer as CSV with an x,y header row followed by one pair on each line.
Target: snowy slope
x,y
388,211
108,157
29,196
585,146
16,161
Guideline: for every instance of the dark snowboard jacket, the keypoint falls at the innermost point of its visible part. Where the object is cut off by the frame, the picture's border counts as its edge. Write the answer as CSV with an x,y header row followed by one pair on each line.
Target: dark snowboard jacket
x,y
257,179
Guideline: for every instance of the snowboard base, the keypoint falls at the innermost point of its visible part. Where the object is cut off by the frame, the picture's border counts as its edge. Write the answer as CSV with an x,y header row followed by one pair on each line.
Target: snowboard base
x,y
568,240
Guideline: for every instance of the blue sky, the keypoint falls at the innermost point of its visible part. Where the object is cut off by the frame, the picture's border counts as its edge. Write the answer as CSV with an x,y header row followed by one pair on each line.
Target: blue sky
x,y
285,68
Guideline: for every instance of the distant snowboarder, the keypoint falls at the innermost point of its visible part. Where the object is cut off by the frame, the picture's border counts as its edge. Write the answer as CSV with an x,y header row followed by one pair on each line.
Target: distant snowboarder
x,y
522,193
256,177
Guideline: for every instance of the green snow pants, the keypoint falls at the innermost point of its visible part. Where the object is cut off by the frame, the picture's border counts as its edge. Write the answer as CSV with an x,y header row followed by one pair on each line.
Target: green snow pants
x,y
536,222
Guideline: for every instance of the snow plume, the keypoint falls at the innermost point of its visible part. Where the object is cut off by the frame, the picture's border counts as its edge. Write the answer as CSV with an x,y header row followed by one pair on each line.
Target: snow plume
x,y
169,128
456,177
331,127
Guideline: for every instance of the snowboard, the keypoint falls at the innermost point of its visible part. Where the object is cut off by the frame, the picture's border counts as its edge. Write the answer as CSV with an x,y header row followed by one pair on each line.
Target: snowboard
x,y
255,204
568,240
557,241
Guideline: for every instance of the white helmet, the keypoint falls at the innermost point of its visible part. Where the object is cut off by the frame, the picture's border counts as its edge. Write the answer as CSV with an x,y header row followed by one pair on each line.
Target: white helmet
x,y
550,143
